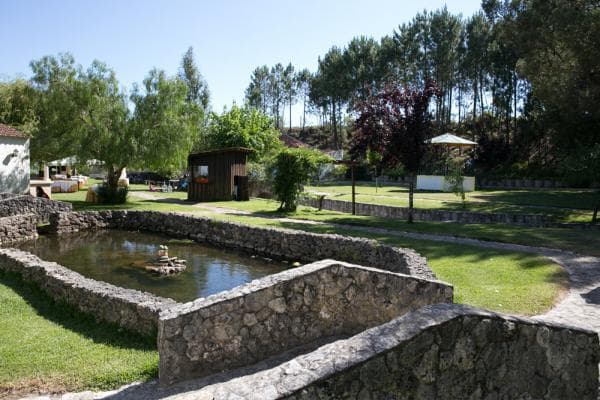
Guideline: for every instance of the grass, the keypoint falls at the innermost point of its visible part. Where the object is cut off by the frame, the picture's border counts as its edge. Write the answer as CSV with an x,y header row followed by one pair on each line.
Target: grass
x,y
563,205
577,240
513,282
51,347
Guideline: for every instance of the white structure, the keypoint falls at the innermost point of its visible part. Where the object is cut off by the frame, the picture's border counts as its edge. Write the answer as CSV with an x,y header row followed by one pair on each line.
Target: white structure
x,y
440,183
14,161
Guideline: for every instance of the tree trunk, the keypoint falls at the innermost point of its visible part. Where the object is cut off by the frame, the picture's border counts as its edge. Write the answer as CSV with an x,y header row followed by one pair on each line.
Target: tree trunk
x,y
112,177
595,215
290,113
411,192
334,122
303,114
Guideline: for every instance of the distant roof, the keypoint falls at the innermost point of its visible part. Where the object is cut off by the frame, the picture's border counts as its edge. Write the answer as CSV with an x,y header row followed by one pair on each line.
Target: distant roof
x,y
225,150
9,131
450,139
291,141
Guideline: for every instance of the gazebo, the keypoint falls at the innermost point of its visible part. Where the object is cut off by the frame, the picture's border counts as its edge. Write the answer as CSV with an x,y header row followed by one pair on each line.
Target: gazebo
x,y
439,182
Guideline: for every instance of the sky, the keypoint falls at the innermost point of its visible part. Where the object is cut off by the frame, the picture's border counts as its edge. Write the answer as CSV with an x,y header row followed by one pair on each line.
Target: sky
x,y
230,38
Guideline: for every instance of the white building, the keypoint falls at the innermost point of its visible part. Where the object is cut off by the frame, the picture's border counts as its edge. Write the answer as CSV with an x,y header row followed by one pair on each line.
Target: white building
x,y
14,161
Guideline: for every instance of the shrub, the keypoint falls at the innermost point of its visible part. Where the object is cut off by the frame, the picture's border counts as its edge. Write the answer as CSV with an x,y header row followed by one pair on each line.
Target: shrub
x,y
289,170
110,195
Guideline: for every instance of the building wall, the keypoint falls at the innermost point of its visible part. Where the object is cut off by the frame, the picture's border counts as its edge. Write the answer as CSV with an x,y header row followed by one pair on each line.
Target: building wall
x,y
14,171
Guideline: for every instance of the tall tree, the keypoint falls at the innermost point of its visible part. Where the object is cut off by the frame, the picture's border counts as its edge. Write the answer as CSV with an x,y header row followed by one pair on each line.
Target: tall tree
x,y
289,87
257,92
396,123
197,87
303,79
277,92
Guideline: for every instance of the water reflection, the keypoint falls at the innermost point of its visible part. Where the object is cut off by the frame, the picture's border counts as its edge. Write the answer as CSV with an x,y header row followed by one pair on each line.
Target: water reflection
x,y
117,257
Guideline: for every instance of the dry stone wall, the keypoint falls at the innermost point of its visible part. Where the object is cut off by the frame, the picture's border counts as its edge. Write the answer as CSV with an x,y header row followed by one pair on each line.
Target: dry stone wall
x,y
271,242
464,217
130,309
452,352
11,205
282,311
17,228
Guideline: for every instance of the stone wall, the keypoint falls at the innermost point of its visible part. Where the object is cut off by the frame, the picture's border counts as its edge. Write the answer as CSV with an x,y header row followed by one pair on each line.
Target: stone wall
x,y
271,242
524,183
17,228
283,311
15,204
453,352
420,214
128,308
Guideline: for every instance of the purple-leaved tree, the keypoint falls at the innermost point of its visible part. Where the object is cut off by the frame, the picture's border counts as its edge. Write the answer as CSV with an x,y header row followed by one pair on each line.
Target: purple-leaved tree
x,y
396,123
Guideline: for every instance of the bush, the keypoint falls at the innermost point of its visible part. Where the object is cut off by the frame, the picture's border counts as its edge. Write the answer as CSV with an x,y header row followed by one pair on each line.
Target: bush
x,y
110,195
289,170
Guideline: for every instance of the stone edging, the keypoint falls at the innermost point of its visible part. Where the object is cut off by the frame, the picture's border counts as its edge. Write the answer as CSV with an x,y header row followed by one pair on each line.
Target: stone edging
x,y
17,228
419,214
271,242
131,309
11,204
283,311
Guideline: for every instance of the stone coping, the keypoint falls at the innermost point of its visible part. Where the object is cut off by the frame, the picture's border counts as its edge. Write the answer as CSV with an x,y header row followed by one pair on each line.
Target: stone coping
x,y
276,243
340,369
282,311
129,308
280,277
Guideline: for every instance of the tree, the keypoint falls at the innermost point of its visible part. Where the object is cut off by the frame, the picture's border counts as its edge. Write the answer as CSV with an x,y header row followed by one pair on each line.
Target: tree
x,y
257,93
277,92
242,127
289,170
85,114
18,105
396,123
302,81
197,88
58,102
164,126
289,88
329,87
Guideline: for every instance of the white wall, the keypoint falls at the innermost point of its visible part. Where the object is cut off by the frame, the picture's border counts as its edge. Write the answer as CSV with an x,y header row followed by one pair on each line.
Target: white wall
x,y
436,182
14,171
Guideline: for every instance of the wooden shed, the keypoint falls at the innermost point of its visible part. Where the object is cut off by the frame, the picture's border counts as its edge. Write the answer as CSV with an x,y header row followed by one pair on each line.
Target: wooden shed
x,y
218,175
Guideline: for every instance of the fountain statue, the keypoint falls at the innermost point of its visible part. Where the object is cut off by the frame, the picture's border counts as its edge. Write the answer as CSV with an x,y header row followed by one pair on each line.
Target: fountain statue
x,y
165,265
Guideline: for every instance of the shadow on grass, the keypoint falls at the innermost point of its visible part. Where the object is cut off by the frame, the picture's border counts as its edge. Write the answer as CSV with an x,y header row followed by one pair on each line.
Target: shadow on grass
x,y
74,320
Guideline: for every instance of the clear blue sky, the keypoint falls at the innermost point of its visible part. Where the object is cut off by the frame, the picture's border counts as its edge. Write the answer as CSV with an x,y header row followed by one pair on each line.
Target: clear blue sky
x,y
230,38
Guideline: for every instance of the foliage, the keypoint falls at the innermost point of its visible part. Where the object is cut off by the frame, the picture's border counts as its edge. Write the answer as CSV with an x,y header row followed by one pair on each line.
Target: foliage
x,y
456,179
18,105
189,73
84,113
289,170
396,123
241,127
112,195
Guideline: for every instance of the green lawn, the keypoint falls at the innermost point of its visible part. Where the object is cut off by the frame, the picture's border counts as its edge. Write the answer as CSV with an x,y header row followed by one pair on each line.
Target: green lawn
x,y
581,241
51,347
565,205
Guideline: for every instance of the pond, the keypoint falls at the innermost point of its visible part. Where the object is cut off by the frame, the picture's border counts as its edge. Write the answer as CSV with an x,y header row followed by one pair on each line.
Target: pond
x,y
118,257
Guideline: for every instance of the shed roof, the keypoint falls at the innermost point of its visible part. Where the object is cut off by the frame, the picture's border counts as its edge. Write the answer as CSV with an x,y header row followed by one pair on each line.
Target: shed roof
x,y
222,151
9,131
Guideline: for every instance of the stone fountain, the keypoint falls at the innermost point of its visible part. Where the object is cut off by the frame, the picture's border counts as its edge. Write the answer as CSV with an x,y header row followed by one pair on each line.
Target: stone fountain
x,y
165,265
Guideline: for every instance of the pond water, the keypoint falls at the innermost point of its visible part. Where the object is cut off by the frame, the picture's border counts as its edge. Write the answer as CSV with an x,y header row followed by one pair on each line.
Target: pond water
x,y
118,257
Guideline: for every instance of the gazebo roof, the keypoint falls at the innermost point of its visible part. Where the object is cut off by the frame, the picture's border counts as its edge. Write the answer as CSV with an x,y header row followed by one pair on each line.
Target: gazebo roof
x,y
450,139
